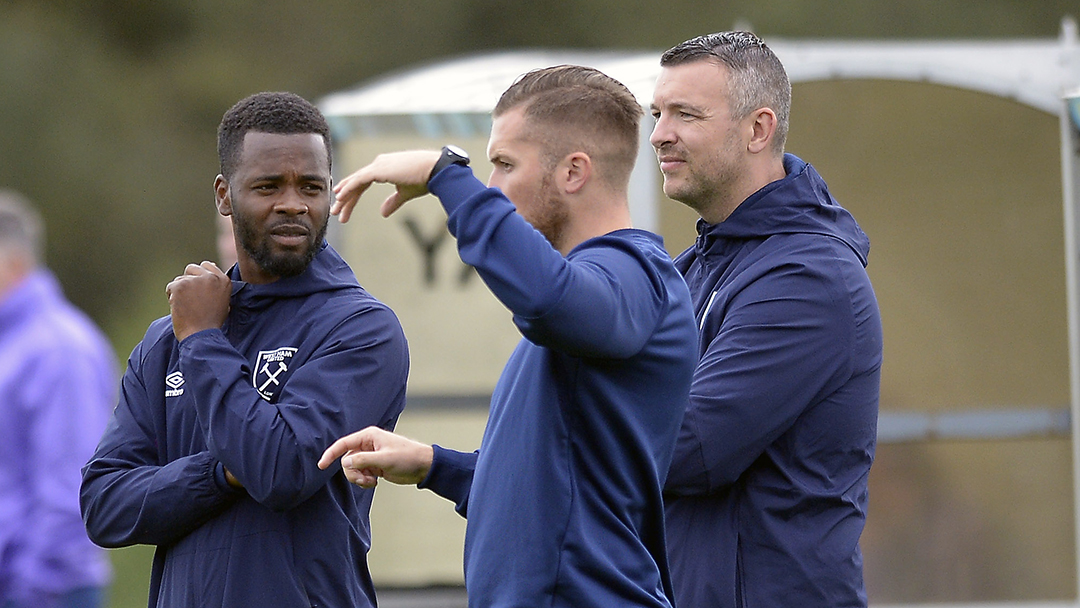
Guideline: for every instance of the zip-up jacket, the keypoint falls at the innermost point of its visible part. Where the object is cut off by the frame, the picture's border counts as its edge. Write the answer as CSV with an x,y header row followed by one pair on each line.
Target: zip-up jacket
x,y
58,378
767,493
299,362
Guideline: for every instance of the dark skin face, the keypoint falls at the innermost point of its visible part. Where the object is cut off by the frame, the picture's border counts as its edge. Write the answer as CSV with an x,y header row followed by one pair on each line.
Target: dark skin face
x,y
279,199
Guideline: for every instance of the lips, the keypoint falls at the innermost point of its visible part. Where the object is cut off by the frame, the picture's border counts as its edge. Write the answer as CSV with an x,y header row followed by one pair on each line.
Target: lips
x,y
669,158
291,235
670,162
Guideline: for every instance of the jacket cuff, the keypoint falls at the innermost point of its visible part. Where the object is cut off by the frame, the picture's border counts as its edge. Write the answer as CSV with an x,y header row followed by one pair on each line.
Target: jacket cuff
x,y
450,475
223,483
454,185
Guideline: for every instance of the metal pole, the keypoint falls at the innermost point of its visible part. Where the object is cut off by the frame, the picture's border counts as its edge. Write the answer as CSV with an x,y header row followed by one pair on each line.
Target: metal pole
x,y
1070,173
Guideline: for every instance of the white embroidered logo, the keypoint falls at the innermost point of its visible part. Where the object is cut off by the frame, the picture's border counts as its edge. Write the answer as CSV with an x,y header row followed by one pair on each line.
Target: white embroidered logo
x,y
269,366
173,383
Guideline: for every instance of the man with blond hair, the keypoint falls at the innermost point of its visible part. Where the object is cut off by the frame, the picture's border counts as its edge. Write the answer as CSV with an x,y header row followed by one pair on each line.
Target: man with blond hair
x,y
563,499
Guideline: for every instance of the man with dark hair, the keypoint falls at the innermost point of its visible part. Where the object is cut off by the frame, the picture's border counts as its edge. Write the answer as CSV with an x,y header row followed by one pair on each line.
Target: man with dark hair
x,y
57,386
767,493
227,403
563,500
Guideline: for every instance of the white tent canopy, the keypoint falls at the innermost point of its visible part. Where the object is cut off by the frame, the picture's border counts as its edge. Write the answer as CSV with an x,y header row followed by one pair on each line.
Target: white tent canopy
x,y
1033,72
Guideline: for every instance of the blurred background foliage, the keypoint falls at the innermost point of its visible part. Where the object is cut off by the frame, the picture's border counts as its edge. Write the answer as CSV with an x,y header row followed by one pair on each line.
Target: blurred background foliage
x,y
108,108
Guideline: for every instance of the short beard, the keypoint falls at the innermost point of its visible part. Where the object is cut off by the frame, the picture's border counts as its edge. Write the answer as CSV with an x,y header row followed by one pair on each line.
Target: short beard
x,y
281,265
550,216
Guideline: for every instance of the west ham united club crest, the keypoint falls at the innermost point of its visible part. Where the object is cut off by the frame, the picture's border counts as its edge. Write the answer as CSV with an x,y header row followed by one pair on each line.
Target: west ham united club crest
x,y
270,368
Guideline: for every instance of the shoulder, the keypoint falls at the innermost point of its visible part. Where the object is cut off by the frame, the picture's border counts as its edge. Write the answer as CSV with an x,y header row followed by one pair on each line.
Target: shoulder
x,y
158,342
354,300
60,327
639,246
357,313
632,249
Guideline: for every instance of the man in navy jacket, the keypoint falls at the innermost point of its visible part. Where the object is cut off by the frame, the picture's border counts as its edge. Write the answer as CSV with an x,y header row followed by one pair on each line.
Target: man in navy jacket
x,y
227,403
767,493
563,499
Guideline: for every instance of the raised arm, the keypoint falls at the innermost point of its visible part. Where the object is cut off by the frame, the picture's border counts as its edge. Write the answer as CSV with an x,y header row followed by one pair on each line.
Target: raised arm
x,y
586,304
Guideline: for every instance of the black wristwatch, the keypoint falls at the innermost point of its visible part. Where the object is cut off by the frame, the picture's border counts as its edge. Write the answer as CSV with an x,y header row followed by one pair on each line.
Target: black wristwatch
x,y
451,155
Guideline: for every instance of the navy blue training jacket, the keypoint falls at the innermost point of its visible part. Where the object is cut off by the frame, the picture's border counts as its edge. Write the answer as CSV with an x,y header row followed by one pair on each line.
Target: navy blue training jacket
x,y
563,499
767,493
299,362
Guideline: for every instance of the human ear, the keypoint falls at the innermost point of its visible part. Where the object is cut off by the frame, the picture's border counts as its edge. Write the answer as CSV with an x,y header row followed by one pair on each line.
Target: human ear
x,y
221,196
575,170
762,129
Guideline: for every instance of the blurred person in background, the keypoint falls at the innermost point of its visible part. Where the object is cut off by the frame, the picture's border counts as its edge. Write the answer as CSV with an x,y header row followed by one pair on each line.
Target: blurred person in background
x,y
58,381
228,402
767,493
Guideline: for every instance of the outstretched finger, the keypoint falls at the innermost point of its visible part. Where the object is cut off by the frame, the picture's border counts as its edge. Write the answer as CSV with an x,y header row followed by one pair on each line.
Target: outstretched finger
x,y
391,204
347,194
340,447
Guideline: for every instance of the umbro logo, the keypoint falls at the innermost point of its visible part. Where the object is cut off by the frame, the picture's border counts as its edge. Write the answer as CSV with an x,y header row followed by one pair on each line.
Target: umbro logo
x,y
173,384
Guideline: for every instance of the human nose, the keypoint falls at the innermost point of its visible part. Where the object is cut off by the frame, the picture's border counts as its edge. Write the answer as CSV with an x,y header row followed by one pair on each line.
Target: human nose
x,y
662,133
292,202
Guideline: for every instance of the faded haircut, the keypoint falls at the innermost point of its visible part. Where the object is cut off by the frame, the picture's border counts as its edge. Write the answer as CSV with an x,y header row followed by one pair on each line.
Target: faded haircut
x,y
758,79
277,113
570,108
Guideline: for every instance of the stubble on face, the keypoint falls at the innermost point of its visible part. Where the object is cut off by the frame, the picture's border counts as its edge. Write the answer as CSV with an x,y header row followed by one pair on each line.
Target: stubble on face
x,y
699,143
279,200
548,213
708,175
530,183
256,242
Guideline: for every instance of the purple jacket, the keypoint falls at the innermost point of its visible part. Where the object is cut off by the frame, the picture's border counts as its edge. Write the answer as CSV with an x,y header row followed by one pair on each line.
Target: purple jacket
x,y
58,382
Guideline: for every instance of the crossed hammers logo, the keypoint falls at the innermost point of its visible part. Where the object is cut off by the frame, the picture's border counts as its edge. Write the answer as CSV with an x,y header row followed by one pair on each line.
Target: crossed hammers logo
x,y
271,376
270,365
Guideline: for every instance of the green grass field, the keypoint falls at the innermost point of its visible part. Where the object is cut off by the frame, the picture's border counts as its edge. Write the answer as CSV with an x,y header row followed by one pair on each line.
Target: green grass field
x,y
131,576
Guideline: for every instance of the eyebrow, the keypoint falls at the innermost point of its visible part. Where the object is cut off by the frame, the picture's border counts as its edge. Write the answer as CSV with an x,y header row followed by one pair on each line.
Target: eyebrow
x,y
679,105
277,177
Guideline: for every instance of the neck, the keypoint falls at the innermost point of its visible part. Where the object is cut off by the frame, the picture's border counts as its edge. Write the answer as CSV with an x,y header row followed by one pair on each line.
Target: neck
x,y
12,274
754,178
594,218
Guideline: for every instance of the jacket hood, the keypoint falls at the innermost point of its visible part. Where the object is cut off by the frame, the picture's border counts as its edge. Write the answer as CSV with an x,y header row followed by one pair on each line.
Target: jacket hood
x,y
327,272
799,203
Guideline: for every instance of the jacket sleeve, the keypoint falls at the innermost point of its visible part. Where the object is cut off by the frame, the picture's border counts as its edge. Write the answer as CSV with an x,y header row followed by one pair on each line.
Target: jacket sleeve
x,y
783,342
451,476
127,496
355,378
602,302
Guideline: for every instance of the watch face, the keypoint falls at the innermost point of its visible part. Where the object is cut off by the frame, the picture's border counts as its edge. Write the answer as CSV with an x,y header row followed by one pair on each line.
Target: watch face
x,y
457,151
